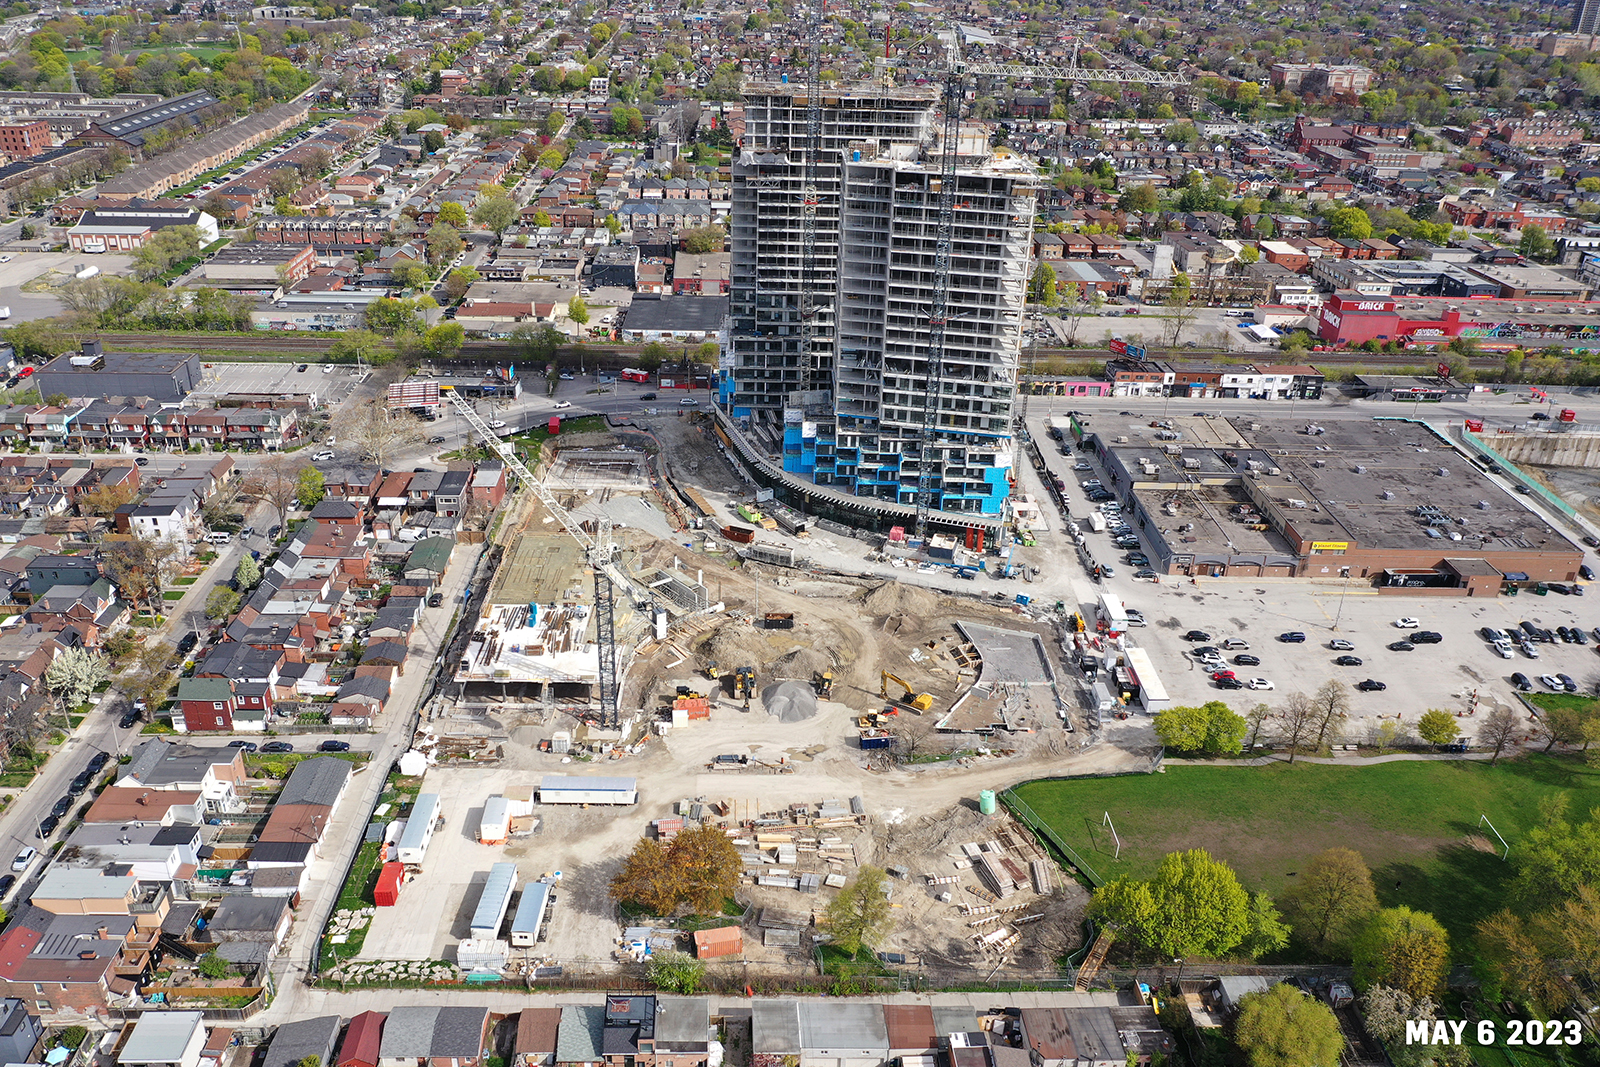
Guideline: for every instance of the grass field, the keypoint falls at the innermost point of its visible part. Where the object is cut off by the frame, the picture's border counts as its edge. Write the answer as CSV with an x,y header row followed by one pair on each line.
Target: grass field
x,y
1413,822
205,53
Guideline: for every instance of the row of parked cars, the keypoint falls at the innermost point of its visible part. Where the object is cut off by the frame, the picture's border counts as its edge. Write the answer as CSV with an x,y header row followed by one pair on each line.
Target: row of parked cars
x,y
47,826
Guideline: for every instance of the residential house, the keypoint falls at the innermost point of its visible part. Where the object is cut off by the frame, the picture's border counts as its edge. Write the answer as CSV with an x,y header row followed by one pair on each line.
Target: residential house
x,y
21,1033
434,1036
217,774
535,1046
294,1041
165,1039
362,1040
580,1039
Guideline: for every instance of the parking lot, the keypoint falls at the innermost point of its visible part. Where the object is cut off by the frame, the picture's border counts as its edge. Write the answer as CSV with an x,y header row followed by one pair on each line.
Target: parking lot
x,y
1459,674
332,383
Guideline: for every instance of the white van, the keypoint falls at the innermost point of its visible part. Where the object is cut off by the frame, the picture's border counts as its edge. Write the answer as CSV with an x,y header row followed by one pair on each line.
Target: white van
x,y
219,537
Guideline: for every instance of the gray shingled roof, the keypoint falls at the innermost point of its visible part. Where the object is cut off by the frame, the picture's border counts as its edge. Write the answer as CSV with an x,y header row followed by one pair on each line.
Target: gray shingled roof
x,y
581,1033
316,781
295,1041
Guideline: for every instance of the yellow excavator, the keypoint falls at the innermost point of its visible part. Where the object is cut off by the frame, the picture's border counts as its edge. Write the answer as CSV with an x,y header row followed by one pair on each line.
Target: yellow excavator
x,y
911,699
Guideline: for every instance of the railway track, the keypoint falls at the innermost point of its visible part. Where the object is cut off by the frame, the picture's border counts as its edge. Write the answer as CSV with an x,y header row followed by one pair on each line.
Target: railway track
x,y
312,345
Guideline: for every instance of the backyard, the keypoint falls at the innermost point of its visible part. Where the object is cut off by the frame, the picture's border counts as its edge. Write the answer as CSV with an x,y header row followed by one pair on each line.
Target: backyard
x,y
1417,823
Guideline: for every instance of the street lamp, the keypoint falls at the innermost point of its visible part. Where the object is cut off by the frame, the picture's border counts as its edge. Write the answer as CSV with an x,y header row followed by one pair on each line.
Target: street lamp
x,y
1344,572
1179,983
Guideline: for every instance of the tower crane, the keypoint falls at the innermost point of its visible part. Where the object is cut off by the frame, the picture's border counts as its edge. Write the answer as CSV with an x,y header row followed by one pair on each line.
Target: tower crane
x,y
600,552
956,74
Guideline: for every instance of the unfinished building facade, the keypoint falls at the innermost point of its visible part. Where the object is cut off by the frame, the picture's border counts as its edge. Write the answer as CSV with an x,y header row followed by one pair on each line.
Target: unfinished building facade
x,y
848,413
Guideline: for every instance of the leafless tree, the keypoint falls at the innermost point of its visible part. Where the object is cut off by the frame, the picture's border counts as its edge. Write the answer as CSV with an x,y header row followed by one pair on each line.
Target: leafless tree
x,y
1257,718
378,433
1498,731
275,482
1297,719
1180,309
914,735
1332,704
139,566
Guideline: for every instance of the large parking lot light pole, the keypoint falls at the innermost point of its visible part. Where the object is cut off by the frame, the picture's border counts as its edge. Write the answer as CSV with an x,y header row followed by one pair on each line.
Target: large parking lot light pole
x,y
1344,573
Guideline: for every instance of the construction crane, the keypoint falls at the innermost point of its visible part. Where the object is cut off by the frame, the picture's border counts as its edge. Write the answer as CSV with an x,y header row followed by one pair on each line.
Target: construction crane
x,y
939,312
600,552
911,698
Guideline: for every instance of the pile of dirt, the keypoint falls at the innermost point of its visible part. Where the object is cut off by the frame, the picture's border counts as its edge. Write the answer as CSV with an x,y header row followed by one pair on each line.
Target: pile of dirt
x,y
802,664
893,598
734,644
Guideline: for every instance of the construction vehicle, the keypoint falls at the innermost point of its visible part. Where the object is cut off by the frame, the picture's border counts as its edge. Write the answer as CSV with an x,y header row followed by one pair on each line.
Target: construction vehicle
x,y
824,684
713,671
872,721
919,702
744,685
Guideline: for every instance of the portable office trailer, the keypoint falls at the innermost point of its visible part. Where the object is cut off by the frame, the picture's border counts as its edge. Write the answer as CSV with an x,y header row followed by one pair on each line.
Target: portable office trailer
x,y
495,825
567,789
493,901
530,914
419,829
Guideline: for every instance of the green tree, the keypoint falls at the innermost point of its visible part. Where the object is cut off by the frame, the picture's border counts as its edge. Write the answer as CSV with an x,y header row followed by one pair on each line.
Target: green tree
x,y
675,972
1349,222
445,339
1438,727
444,241
411,276
1283,1027
703,239
432,141
613,224
308,492
859,915
358,346
452,214
458,281
222,603
1194,906
1535,243
1141,198
1268,932
212,966
1405,949
165,248
1557,856
1331,899
578,311
1044,285
541,218
1213,729
496,214
248,573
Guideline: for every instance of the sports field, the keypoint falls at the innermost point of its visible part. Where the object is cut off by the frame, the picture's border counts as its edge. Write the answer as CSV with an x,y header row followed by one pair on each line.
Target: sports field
x,y
1417,823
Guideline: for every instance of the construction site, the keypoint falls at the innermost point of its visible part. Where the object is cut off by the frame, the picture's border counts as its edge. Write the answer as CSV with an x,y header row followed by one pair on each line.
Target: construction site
x,y
826,718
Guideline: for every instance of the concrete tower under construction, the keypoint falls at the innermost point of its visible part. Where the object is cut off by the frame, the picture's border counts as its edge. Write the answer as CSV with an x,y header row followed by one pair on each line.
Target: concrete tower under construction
x,y
840,403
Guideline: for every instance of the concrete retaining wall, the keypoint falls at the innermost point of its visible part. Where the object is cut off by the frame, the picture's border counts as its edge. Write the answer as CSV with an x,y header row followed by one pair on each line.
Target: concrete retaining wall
x,y
1548,449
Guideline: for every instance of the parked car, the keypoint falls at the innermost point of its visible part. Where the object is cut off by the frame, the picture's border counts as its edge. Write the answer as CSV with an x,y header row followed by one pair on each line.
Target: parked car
x,y
1371,686
6,882
248,746
1426,637
129,718
334,746
1339,644
62,806
1229,683
277,746
1246,660
648,396
47,826
1401,646
141,461
1258,683
1348,661
1520,682
1293,637
1586,572
98,760
435,600
1550,681
1567,683
302,368
1217,676
1407,623
80,784
1197,635
23,858
322,457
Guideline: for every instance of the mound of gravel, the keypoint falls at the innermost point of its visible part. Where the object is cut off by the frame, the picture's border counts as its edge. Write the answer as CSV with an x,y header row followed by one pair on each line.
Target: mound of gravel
x,y
893,598
789,701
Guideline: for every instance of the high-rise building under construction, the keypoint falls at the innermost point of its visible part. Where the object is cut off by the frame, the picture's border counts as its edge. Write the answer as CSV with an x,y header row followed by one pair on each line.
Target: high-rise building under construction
x,y
831,364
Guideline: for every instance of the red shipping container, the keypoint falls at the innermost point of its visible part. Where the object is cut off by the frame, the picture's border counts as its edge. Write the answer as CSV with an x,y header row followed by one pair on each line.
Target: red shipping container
x,y
723,941
555,425
387,892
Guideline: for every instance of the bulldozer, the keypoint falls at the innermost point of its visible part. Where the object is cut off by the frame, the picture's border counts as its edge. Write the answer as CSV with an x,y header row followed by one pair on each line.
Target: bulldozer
x,y
713,671
920,702
824,684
